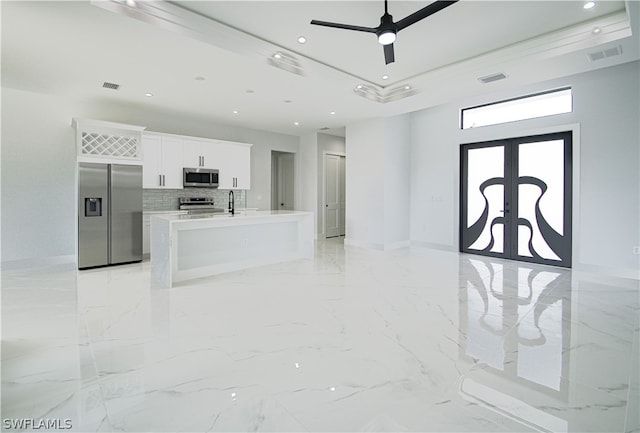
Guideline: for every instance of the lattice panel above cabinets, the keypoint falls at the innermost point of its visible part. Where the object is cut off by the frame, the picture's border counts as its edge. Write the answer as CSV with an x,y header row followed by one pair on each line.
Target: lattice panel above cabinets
x,y
109,145
108,142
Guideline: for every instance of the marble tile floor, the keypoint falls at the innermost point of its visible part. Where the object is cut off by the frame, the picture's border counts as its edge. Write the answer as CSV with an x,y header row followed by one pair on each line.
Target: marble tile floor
x,y
354,340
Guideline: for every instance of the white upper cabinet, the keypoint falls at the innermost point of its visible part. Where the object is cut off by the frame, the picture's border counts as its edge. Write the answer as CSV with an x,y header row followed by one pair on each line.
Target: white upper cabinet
x,y
201,153
191,155
165,156
162,162
235,170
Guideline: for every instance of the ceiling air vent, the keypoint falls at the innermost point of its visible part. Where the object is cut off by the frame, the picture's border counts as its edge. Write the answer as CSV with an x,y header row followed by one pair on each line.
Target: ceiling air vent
x,y
492,78
108,85
609,52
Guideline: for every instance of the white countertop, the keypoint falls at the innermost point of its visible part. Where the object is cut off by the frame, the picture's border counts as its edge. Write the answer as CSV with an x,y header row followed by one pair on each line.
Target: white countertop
x,y
239,215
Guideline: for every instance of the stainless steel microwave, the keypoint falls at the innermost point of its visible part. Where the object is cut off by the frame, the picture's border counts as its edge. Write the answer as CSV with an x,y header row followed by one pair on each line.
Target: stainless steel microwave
x,y
200,177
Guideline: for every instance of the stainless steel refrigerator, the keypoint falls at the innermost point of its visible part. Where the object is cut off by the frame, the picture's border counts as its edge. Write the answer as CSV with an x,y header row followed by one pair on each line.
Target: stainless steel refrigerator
x,y
109,214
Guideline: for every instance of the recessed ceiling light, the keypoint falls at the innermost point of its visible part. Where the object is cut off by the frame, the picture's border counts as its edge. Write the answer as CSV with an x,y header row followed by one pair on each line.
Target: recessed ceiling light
x,y
359,86
277,55
296,123
235,111
407,87
596,30
302,40
332,113
131,3
385,77
148,94
589,5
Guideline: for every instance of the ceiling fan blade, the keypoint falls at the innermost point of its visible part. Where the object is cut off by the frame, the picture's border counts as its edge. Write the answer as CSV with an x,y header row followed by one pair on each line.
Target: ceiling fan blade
x,y
389,57
344,26
423,13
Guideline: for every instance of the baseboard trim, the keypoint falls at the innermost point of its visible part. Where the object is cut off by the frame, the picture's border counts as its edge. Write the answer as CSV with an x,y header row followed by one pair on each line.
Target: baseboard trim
x,y
66,261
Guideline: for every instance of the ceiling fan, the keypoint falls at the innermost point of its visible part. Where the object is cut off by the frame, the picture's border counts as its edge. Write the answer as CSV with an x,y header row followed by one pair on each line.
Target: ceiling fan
x,y
388,29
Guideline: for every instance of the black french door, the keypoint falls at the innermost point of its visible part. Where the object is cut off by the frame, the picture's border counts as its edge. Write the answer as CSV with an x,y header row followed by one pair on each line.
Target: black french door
x,y
515,198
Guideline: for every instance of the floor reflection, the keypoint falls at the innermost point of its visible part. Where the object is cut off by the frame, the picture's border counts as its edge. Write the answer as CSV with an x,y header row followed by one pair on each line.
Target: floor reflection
x,y
517,321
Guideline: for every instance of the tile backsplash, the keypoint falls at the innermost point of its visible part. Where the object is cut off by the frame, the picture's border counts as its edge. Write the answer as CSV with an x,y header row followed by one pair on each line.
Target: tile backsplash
x,y
167,199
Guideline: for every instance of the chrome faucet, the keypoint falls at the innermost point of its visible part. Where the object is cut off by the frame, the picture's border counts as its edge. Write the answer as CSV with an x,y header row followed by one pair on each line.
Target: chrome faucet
x,y
231,203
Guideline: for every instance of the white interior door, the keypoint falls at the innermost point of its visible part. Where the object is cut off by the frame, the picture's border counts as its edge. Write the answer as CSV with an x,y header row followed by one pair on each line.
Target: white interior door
x,y
332,196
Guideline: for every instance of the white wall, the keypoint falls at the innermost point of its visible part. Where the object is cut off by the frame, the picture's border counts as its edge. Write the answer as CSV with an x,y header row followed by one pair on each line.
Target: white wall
x,y
307,165
606,157
38,177
365,164
37,138
377,171
396,180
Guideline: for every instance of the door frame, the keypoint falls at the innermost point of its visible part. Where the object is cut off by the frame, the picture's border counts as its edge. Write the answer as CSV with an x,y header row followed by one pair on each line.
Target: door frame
x,y
510,194
323,223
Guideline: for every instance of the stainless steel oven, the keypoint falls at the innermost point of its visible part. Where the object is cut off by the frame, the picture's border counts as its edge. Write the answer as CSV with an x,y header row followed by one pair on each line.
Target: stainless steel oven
x,y
200,177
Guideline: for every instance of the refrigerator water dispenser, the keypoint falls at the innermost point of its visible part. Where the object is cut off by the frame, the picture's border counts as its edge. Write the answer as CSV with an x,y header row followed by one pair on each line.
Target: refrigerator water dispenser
x,y
93,206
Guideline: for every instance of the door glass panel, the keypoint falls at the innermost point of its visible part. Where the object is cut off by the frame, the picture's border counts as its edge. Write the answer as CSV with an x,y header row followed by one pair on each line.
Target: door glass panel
x,y
485,197
540,197
515,198
498,237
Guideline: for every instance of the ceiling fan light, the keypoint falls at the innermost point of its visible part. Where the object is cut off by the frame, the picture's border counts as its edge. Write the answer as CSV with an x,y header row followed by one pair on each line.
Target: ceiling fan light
x,y
387,37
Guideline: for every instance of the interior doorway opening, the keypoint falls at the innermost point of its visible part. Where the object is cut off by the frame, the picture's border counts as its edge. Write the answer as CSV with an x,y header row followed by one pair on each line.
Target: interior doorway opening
x,y
282,180
334,197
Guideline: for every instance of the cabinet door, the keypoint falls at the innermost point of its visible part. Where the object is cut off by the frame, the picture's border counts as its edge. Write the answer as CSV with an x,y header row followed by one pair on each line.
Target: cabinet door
x,y
235,171
213,154
172,162
241,163
191,154
224,157
151,161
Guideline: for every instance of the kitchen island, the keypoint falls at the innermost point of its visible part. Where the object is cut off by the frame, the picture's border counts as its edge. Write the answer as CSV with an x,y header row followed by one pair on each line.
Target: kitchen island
x,y
184,247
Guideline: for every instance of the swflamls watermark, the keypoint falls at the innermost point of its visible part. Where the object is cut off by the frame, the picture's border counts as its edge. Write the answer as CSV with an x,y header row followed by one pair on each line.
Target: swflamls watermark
x,y
36,424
